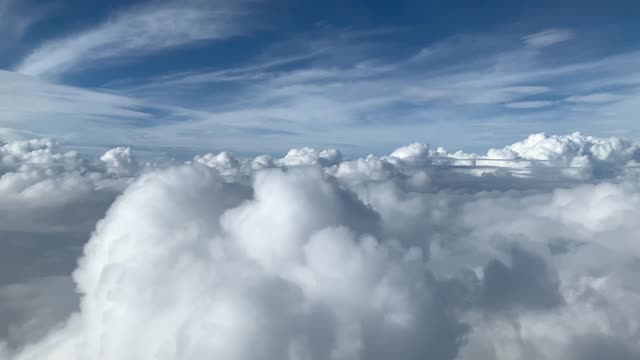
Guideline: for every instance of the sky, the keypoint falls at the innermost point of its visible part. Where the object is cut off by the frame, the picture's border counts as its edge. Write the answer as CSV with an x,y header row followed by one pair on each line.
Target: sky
x,y
326,180
253,76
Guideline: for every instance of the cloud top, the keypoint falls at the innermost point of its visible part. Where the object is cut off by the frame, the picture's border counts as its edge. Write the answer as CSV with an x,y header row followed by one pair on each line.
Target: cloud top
x,y
314,256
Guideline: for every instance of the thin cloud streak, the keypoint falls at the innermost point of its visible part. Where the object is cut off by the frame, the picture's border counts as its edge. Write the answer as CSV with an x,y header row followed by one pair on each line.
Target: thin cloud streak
x,y
138,31
548,37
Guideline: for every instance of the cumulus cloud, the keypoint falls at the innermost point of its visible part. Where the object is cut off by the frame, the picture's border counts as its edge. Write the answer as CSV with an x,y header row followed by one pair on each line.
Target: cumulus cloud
x,y
308,156
51,200
39,178
224,162
420,254
564,156
120,161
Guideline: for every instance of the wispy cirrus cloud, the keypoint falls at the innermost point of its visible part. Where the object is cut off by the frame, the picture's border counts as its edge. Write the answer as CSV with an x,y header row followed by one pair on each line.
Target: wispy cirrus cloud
x,y
134,32
528,104
548,37
415,95
30,106
594,98
288,94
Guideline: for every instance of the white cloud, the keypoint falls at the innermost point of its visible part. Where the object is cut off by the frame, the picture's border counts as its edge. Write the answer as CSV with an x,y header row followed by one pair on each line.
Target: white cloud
x,y
309,156
224,162
260,286
120,161
316,257
573,156
548,37
28,106
51,200
41,185
528,104
596,98
141,30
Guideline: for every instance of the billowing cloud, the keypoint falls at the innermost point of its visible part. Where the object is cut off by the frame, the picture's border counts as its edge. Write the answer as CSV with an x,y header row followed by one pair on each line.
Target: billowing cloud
x,y
51,200
574,155
420,254
120,161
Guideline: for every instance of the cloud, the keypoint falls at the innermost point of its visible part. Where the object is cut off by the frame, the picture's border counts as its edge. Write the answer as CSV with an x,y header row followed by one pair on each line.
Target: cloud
x,y
120,161
596,98
290,297
595,347
29,310
143,30
540,155
528,104
548,37
33,106
528,282
586,271
51,200
316,256
309,156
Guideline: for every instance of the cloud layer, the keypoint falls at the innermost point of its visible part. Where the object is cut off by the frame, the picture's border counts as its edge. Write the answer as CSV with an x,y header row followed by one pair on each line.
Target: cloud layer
x,y
526,252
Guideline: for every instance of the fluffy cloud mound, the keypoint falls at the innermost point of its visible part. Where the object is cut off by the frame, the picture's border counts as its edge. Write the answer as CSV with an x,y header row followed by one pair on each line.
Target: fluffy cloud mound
x,y
286,273
50,200
120,161
572,155
309,156
539,157
39,179
226,164
313,256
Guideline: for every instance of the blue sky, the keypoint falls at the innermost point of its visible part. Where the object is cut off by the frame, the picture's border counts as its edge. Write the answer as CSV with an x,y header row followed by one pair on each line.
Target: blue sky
x,y
255,76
